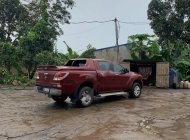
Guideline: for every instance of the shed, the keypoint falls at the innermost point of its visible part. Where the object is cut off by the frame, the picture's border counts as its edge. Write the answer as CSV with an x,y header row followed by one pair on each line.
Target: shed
x,y
155,73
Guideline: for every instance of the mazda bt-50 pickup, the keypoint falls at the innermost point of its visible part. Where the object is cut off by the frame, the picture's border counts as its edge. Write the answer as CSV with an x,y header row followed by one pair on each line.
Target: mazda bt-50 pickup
x,y
83,79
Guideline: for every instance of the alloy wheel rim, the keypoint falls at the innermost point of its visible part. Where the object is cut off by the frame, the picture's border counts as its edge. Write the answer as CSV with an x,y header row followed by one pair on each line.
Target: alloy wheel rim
x,y
137,90
85,97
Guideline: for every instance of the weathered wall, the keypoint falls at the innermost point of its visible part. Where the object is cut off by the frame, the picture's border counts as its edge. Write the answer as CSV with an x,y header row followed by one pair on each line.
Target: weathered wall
x,y
111,53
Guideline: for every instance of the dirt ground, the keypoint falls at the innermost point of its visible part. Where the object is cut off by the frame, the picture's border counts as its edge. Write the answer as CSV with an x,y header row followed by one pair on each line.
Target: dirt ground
x,y
158,114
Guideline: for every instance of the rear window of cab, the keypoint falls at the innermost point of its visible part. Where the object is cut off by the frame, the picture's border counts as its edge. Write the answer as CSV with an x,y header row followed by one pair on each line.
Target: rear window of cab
x,y
76,63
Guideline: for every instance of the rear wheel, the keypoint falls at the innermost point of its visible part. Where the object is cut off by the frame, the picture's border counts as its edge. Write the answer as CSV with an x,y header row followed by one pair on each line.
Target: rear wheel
x,y
135,91
59,98
85,96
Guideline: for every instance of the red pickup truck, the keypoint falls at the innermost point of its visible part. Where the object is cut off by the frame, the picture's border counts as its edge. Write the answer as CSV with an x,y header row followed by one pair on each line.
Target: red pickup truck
x,y
82,79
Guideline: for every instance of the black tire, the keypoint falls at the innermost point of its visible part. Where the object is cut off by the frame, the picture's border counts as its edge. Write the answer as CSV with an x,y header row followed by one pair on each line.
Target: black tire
x,y
59,98
85,96
135,92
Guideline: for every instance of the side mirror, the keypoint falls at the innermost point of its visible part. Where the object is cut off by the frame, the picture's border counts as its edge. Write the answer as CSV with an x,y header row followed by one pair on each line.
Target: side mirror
x,y
125,70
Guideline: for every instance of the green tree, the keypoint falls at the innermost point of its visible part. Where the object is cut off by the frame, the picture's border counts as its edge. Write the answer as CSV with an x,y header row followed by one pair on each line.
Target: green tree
x,y
39,38
56,10
170,20
11,16
9,56
46,17
144,47
89,53
70,53
50,58
178,56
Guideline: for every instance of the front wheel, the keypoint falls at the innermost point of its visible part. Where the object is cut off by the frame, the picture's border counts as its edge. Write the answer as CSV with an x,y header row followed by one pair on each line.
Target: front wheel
x,y
59,98
135,92
85,96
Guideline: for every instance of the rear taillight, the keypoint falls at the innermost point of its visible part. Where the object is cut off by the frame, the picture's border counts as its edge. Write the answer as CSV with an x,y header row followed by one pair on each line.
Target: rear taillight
x,y
37,75
60,76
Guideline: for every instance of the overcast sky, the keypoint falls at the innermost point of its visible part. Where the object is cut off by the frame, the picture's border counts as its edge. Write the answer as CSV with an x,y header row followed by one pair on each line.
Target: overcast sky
x,y
103,35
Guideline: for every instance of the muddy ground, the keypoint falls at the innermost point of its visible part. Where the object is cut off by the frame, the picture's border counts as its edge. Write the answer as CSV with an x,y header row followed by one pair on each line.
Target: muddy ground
x,y
158,114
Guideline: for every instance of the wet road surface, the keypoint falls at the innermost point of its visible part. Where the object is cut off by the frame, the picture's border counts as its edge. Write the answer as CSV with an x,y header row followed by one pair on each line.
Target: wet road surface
x,y
158,114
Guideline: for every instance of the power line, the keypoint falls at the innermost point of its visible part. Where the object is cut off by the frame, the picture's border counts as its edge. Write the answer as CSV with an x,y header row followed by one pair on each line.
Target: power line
x,y
134,23
106,21
81,22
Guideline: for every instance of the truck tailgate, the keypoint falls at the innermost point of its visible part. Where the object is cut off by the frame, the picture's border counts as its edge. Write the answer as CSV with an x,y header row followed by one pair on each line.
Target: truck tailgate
x,y
45,75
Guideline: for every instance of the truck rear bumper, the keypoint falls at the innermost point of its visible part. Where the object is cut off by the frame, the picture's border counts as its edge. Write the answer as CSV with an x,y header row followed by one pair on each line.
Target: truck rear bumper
x,y
49,91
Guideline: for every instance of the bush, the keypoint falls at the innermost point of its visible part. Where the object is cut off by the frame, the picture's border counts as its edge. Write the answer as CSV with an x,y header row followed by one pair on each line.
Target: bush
x,y
50,58
15,80
3,71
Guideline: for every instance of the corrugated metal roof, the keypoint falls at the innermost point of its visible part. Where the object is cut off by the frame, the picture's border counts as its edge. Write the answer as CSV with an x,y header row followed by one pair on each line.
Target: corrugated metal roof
x,y
111,47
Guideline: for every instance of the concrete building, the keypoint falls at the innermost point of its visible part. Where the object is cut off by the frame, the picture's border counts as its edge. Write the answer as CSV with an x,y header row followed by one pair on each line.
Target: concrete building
x,y
110,53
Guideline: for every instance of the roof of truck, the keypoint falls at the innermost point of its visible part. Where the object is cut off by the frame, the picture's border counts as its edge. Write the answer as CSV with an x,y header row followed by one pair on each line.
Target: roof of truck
x,y
87,59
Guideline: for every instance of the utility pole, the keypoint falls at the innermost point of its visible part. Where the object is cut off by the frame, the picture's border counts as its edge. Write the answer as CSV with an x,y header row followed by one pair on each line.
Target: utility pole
x,y
117,37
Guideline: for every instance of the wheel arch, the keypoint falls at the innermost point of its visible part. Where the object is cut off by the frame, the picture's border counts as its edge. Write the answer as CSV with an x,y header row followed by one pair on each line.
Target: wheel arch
x,y
86,83
138,81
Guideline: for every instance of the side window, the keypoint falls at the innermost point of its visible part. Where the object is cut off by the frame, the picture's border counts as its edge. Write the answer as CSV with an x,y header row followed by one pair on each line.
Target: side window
x,y
117,68
103,65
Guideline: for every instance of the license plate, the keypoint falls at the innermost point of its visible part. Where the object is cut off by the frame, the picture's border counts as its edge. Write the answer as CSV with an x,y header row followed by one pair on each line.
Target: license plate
x,y
46,90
